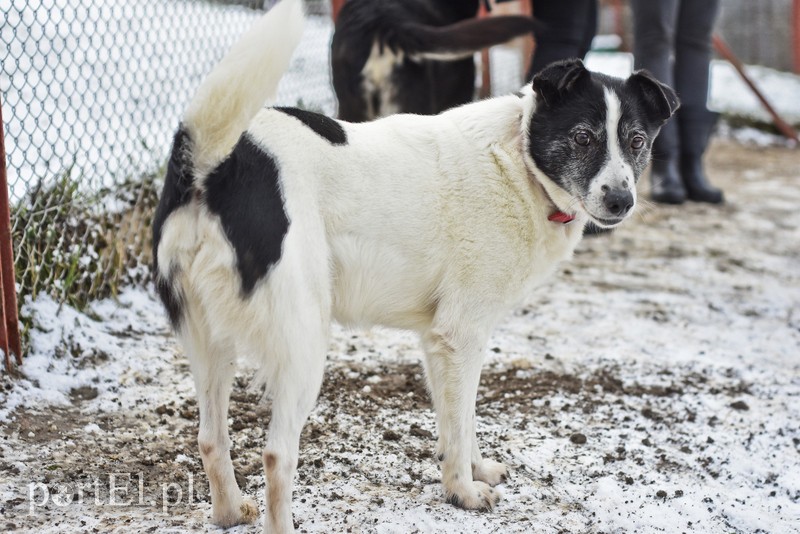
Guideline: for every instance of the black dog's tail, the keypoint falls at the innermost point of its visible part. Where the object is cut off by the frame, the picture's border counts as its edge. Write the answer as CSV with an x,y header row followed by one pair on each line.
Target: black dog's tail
x,y
460,39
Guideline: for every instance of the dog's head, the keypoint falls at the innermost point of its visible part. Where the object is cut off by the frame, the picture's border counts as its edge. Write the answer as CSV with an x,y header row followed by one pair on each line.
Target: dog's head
x,y
590,135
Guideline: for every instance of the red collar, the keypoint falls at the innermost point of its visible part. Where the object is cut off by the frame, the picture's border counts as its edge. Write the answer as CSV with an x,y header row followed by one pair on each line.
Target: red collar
x,y
557,216
560,217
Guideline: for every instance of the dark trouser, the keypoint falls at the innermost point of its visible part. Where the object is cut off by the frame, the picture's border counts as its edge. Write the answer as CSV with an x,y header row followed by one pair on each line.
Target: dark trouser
x,y
679,29
571,26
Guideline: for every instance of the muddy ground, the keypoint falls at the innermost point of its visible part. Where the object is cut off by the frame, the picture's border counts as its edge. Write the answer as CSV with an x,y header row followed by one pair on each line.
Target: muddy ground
x,y
651,387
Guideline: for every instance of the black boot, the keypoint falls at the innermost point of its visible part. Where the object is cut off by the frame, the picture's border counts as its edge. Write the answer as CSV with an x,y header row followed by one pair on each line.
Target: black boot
x,y
694,179
667,187
695,130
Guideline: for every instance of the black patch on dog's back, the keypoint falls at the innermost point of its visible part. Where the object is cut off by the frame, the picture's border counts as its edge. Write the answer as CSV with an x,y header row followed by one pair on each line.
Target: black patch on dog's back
x,y
323,126
244,192
177,192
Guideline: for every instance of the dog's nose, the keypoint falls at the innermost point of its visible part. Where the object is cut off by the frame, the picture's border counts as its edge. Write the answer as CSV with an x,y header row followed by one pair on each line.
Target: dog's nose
x,y
618,201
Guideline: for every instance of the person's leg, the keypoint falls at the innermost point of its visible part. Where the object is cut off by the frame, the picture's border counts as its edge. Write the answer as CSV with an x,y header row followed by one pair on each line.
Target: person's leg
x,y
653,39
569,24
692,57
589,29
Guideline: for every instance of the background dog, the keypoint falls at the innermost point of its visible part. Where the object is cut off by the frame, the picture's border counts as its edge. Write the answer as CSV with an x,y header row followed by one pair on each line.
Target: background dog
x,y
411,56
273,222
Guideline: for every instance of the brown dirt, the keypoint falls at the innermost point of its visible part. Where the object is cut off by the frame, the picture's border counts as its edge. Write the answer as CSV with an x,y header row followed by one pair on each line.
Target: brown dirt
x,y
372,411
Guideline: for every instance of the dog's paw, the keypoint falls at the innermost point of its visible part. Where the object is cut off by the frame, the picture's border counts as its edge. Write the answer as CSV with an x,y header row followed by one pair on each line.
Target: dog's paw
x,y
249,511
489,471
474,495
245,514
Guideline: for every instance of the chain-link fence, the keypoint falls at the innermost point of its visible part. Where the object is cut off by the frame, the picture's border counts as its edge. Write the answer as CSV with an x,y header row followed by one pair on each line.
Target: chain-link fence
x,y
765,37
91,94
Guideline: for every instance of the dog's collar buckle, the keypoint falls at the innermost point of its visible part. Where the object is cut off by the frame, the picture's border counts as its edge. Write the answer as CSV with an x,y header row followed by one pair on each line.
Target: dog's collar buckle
x,y
561,217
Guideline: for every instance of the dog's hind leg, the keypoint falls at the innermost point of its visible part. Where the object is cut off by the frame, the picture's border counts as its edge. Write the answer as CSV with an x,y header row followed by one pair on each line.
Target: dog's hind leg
x,y
213,367
454,357
294,388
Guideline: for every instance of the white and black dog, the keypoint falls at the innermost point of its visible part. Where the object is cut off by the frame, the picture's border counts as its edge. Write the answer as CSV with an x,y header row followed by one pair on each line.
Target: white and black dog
x,y
411,56
273,222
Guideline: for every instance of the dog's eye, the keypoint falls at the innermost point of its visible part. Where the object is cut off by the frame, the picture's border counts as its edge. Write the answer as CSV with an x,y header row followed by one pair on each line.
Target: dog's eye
x,y
583,138
637,142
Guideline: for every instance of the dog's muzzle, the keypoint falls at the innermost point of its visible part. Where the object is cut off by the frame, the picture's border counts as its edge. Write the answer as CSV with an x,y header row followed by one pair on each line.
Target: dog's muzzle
x,y
613,207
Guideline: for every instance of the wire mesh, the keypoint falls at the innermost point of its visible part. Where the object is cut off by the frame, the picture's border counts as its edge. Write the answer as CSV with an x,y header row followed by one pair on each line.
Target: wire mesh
x,y
92,93
764,39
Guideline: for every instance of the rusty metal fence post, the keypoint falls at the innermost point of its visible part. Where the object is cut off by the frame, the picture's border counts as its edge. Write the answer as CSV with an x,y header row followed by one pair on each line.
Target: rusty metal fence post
x,y
486,66
796,34
336,6
9,320
724,50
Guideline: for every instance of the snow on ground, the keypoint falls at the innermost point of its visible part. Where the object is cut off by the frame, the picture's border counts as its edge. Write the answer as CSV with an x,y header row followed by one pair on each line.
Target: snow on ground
x,y
730,95
653,386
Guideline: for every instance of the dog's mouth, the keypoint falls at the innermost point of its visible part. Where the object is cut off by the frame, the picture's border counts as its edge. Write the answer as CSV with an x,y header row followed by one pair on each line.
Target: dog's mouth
x,y
577,203
606,223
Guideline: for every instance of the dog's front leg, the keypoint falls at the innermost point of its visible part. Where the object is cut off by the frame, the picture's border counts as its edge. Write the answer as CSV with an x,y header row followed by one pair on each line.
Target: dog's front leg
x,y
489,471
454,369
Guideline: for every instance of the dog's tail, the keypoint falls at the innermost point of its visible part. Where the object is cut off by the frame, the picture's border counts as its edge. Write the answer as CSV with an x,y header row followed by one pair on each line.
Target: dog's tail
x,y
460,39
240,84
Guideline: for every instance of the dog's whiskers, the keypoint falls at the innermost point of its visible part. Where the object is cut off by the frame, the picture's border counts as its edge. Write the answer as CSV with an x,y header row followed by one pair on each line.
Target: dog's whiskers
x,y
644,207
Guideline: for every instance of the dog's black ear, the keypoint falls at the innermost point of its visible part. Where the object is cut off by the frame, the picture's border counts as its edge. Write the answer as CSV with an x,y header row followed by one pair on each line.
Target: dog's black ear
x,y
556,80
660,100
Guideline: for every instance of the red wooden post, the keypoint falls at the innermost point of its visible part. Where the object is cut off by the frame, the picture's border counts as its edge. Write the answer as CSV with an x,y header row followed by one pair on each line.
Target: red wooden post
x,y
486,66
796,34
9,322
619,22
336,6
526,8
3,329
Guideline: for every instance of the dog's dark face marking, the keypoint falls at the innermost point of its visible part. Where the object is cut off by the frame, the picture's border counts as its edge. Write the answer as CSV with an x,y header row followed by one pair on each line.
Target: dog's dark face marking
x,y
323,126
244,192
177,192
592,134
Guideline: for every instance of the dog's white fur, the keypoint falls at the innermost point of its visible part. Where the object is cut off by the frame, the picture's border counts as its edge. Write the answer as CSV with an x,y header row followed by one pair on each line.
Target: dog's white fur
x,y
444,245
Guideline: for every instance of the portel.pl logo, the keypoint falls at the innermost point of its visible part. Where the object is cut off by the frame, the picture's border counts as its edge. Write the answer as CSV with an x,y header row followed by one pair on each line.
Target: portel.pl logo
x,y
112,489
